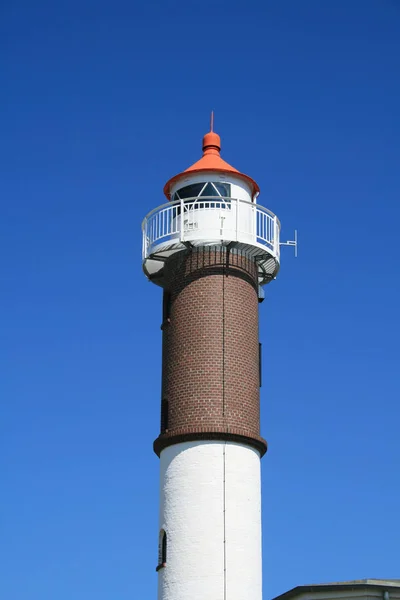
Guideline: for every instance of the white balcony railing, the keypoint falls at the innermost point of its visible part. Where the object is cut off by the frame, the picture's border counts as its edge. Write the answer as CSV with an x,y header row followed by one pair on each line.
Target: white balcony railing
x,y
210,220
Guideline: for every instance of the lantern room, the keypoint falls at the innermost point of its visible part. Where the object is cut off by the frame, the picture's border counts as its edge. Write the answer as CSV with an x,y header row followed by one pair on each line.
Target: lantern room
x,y
211,204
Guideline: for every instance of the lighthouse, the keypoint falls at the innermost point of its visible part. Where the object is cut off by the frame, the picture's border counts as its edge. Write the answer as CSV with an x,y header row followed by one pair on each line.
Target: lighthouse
x,y
211,248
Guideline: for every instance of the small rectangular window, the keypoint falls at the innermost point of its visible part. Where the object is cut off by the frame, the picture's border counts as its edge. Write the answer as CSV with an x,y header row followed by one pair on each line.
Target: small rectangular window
x,y
164,415
166,307
260,363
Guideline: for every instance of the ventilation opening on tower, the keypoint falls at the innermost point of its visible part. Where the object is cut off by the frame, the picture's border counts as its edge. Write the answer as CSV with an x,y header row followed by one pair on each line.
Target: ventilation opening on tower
x,y
162,550
164,415
166,311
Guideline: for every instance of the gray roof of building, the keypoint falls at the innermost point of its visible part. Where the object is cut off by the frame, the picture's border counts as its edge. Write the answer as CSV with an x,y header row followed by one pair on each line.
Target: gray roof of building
x,y
338,586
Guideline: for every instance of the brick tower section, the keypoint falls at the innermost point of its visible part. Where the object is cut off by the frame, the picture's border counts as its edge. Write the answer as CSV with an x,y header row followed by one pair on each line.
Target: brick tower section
x,y
210,364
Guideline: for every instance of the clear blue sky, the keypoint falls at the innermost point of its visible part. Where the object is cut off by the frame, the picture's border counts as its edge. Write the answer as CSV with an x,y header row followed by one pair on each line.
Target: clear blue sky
x,y
100,103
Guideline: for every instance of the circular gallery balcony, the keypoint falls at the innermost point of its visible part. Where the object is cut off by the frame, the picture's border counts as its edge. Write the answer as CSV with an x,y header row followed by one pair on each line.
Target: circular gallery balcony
x,y
210,221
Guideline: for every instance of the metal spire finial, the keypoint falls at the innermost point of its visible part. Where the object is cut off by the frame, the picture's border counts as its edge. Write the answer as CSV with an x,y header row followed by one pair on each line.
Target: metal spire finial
x,y
212,121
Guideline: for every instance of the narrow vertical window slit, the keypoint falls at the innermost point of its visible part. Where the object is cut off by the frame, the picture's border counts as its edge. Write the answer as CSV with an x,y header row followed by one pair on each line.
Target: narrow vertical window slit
x,y
162,550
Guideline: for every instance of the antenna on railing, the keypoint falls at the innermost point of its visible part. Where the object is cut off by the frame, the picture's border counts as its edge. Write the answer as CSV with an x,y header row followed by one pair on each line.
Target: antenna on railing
x,y
291,243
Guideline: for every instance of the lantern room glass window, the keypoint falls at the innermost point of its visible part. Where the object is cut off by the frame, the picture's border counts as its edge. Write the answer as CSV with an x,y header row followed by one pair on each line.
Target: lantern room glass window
x,y
201,192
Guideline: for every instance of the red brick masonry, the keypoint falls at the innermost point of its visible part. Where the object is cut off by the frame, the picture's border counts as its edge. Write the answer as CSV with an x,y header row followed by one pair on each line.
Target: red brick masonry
x,y
210,373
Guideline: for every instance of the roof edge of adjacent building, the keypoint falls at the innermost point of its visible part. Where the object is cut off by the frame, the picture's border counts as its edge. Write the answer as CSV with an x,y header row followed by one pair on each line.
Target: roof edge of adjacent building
x,y
338,586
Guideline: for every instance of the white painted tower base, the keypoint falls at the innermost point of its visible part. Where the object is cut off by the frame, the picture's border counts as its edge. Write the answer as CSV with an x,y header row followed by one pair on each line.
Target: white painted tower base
x,y
210,509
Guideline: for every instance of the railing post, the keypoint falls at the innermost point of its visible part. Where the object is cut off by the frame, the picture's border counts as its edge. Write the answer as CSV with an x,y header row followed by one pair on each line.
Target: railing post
x,y
182,233
237,218
276,236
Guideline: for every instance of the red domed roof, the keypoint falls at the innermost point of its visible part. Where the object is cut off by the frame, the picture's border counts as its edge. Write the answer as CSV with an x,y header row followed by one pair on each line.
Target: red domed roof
x,y
211,161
